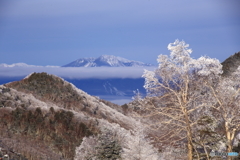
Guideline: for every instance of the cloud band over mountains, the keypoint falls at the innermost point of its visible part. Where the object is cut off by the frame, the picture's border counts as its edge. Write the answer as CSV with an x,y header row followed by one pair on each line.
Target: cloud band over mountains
x,y
19,70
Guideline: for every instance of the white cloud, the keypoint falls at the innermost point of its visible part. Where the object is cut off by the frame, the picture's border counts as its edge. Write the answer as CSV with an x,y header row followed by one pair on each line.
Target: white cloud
x,y
73,72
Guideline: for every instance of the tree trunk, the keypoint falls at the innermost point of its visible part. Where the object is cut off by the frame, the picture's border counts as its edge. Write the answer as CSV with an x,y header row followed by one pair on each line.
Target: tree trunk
x,y
230,136
190,147
189,135
190,154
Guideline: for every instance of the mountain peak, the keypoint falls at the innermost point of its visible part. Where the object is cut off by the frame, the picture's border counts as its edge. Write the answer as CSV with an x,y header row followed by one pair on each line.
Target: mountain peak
x,y
105,61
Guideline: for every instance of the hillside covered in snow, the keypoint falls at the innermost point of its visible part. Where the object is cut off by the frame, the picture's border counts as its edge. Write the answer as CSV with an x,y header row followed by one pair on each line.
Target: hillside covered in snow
x,y
45,117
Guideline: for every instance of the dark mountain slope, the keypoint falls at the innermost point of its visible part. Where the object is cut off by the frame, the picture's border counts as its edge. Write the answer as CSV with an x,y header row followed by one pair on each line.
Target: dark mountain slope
x,y
231,64
39,134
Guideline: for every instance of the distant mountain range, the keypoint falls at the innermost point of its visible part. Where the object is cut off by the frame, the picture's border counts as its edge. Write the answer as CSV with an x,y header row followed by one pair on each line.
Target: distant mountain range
x,y
106,61
102,61
4,65
111,89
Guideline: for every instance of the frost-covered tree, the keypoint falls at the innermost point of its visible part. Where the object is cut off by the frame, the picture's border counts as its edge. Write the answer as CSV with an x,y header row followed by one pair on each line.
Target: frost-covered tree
x,y
101,147
206,137
179,84
226,106
117,143
87,149
137,147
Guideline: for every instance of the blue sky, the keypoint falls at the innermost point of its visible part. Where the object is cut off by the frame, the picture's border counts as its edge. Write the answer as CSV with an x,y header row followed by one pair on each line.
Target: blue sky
x,y
56,32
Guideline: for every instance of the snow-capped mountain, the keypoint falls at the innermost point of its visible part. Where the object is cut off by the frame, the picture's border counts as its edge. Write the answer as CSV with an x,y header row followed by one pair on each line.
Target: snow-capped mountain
x,y
82,62
106,61
15,65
